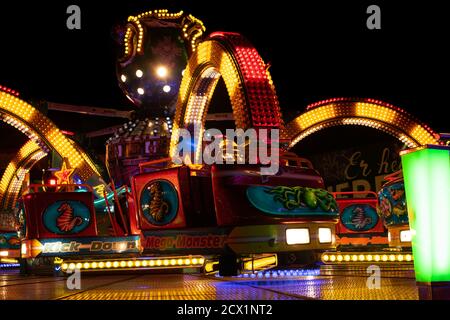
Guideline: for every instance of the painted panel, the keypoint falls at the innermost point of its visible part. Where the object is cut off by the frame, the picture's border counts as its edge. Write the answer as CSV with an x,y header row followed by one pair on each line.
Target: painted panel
x,y
292,201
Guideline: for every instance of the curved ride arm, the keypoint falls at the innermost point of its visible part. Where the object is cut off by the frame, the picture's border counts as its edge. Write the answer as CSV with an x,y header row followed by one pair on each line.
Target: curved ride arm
x,y
362,112
248,82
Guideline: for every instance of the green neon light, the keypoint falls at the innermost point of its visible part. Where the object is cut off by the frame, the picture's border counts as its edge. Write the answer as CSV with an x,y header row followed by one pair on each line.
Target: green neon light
x,y
427,185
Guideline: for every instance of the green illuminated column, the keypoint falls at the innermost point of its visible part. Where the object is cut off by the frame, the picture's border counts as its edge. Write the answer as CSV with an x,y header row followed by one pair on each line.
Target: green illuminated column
x,y
426,172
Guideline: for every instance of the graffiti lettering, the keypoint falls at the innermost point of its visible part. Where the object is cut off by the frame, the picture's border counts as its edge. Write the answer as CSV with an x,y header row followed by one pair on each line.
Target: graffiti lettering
x,y
385,166
356,167
358,170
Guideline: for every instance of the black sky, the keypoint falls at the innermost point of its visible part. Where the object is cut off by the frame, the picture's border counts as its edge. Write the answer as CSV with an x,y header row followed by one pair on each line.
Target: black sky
x,y
317,50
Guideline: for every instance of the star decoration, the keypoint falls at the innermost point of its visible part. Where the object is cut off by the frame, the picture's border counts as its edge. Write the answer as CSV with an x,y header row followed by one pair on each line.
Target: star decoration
x,y
65,174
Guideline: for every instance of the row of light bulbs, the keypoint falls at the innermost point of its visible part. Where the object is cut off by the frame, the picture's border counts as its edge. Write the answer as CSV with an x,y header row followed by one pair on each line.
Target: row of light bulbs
x,y
370,112
44,127
193,27
12,179
9,90
212,52
366,257
386,112
130,125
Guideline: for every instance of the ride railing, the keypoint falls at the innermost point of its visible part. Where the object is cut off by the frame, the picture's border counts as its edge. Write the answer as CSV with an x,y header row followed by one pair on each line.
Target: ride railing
x,y
355,195
116,228
49,187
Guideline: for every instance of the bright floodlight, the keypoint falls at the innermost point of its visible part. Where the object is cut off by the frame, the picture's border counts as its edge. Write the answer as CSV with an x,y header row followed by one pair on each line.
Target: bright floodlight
x,y
166,88
161,71
325,235
139,73
140,91
123,78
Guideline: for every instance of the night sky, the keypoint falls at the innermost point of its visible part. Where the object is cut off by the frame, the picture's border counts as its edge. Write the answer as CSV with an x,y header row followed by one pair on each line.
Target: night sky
x,y
317,51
